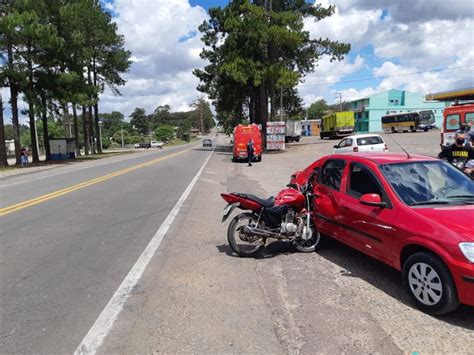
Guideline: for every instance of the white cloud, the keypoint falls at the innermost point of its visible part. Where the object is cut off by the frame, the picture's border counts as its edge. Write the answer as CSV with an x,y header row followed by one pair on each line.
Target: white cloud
x,y
316,85
163,38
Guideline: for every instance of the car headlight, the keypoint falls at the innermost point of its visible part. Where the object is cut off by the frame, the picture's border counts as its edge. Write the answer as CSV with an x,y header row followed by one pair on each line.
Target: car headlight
x,y
468,251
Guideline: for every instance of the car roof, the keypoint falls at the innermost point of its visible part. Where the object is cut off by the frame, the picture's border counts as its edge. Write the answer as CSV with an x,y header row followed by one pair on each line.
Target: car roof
x,y
383,158
362,136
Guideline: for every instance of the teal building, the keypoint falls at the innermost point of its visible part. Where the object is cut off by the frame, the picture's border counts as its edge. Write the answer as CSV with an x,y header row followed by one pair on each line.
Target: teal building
x,y
368,111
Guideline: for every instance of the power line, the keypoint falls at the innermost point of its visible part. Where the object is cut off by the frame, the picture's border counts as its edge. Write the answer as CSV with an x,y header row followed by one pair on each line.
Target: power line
x,y
389,76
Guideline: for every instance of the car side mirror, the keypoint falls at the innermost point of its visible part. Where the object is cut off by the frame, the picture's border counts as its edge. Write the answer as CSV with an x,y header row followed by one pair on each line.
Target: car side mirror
x,y
372,200
336,146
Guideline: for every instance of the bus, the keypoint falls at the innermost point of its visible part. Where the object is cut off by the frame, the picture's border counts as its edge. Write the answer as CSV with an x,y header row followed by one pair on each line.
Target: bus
x,y
401,122
452,118
427,120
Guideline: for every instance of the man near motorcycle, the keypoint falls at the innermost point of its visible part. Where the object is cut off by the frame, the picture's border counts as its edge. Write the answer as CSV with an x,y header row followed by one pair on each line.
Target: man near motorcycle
x,y
458,153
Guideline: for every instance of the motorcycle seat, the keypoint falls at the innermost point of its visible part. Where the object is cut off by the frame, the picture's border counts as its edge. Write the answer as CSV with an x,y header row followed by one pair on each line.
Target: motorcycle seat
x,y
269,202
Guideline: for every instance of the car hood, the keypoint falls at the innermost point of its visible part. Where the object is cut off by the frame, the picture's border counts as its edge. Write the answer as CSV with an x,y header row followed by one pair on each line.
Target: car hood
x,y
457,219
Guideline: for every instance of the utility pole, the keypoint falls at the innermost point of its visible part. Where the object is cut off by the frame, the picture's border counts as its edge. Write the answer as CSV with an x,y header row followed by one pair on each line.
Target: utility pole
x,y
339,95
200,110
121,129
281,103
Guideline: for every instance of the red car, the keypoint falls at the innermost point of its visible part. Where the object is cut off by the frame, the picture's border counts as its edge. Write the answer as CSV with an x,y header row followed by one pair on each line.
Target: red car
x,y
414,213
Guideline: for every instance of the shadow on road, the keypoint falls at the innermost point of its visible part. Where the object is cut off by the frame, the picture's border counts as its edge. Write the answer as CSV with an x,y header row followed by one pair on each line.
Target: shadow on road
x,y
385,278
271,250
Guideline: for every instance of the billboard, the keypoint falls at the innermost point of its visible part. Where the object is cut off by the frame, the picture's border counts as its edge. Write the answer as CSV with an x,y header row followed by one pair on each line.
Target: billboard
x,y
276,135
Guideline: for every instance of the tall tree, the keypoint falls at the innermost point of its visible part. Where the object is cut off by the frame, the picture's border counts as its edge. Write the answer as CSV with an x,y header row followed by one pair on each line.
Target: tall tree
x,y
317,109
140,121
254,49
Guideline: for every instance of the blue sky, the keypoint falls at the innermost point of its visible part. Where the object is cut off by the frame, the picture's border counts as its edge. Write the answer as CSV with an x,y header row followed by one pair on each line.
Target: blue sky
x,y
417,45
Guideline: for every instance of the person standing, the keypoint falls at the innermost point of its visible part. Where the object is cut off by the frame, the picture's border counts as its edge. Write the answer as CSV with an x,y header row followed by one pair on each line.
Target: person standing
x,y
24,157
250,150
458,153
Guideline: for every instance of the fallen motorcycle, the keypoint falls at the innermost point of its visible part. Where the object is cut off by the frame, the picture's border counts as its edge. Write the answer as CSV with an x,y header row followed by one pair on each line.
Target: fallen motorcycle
x,y
288,216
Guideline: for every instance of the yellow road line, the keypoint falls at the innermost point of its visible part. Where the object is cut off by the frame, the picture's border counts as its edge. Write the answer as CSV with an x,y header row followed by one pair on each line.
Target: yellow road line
x,y
43,198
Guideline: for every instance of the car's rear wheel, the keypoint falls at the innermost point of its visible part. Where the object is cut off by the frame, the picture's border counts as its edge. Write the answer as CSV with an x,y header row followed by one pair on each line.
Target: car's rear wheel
x,y
430,284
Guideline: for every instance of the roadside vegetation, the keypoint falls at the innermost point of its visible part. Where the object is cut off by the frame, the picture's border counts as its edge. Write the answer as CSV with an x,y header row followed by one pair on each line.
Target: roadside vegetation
x,y
258,52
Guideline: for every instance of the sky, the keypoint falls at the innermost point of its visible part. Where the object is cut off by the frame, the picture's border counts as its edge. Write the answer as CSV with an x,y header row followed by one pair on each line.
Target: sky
x,y
416,45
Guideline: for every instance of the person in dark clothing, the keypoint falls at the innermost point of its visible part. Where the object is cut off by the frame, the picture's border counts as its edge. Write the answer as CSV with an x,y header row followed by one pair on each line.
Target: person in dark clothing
x,y
250,151
458,153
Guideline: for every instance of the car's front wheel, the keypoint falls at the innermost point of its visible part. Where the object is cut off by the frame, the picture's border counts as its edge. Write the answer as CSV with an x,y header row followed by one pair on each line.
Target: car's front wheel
x,y
430,284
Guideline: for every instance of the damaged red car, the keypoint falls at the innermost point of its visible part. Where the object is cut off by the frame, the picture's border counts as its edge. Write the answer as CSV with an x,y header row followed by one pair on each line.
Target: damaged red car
x,y
414,213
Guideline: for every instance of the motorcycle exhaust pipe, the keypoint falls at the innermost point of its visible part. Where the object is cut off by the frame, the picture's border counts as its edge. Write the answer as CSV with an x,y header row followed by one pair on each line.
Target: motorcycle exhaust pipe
x,y
261,233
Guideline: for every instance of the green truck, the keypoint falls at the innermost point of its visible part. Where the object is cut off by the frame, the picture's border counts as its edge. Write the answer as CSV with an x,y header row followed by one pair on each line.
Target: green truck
x,y
338,124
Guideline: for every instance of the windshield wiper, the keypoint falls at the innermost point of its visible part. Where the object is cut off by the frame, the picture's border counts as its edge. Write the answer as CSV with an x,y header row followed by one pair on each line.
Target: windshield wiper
x,y
430,202
460,196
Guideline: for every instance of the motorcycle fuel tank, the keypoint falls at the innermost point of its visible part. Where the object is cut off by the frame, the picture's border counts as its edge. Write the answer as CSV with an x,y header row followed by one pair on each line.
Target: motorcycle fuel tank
x,y
290,197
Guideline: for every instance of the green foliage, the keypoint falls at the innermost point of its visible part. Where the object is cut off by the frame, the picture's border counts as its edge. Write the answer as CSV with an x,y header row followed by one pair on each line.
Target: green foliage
x,y
140,121
60,52
164,133
317,109
254,51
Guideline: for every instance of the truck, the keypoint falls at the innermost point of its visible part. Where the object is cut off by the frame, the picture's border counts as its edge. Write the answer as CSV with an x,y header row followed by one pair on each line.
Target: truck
x,y
293,131
338,124
242,135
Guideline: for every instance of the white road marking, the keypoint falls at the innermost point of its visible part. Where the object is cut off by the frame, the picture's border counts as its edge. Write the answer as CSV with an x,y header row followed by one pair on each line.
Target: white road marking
x,y
102,326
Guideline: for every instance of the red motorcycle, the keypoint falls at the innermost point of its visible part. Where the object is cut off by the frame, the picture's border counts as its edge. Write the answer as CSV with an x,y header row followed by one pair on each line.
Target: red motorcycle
x,y
288,216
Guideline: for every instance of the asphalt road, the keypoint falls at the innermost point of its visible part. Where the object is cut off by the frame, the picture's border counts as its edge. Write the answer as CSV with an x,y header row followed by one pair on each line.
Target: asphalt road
x,y
67,248
64,255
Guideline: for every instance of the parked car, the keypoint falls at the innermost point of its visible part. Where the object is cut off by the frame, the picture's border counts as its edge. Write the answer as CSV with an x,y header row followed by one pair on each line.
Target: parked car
x,y
361,143
142,145
413,213
207,143
155,144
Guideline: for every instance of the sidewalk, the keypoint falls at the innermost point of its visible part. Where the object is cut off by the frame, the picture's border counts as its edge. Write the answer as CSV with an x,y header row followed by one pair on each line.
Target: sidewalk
x,y
197,296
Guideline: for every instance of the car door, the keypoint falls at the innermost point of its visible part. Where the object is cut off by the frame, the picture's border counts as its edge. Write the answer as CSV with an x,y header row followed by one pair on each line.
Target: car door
x,y
328,194
344,146
369,228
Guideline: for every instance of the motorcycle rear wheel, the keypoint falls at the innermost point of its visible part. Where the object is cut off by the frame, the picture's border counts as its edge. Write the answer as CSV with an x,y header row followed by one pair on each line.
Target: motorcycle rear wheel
x,y
240,243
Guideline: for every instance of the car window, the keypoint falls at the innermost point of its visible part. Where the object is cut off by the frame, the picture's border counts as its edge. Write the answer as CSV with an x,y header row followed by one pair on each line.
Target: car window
x,y
470,119
331,174
348,142
342,143
425,182
369,140
452,121
363,181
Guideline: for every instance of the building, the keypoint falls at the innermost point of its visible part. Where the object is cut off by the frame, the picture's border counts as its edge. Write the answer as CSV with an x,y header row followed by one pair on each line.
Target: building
x,y
368,111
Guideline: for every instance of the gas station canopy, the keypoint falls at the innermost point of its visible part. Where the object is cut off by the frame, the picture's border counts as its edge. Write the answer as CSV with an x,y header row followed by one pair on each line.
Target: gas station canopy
x,y
461,94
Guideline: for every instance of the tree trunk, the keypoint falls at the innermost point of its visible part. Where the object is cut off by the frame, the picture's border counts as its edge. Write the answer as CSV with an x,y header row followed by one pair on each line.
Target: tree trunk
x,y
252,105
76,131
3,150
272,100
34,142
44,118
84,130
91,131
66,123
96,112
97,128
14,105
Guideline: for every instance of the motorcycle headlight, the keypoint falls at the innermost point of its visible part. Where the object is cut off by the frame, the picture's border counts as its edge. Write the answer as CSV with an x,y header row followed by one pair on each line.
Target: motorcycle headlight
x,y
468,251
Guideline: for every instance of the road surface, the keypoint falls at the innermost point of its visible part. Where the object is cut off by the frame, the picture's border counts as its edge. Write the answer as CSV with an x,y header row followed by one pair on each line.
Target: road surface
x,y
70,235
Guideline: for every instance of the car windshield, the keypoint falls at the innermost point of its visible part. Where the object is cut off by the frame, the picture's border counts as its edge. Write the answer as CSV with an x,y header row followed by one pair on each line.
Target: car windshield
x,y
369,140
429,182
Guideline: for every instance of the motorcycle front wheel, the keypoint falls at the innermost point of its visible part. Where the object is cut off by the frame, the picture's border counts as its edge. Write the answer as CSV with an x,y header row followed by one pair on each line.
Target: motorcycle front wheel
x,y
242,244
310,244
